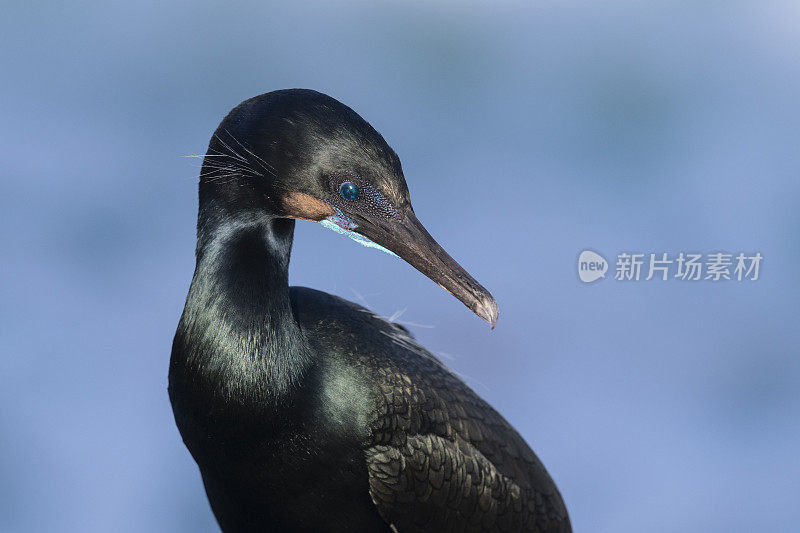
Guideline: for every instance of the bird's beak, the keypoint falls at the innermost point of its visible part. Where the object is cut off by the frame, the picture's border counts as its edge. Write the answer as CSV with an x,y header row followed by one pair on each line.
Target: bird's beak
x,y
408,238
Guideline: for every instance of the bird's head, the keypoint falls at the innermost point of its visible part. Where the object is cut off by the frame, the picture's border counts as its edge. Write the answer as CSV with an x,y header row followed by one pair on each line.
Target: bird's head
x,y
301,154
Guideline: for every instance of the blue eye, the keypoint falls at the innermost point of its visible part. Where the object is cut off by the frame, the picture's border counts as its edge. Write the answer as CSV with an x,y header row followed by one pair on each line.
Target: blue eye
x,y
349,190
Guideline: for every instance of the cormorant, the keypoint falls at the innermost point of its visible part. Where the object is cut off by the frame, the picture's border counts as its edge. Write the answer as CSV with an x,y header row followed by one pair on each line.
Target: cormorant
x,y
306,412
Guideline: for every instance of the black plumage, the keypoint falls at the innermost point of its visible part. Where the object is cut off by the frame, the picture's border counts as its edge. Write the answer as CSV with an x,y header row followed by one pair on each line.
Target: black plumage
x,y
306,412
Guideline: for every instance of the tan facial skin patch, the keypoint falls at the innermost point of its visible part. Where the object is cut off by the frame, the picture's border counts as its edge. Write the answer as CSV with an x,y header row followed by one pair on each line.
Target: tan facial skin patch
x,y
305,206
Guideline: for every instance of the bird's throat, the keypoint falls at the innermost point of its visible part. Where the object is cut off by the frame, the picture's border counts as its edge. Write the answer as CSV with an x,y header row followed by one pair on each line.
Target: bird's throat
x,y
238,329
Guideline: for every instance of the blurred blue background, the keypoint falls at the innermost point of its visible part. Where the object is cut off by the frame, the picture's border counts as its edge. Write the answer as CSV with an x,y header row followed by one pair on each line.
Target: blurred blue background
x,y
527,134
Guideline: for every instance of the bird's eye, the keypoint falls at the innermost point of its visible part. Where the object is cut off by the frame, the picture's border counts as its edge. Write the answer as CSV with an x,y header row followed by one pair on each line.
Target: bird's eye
x,y
349,190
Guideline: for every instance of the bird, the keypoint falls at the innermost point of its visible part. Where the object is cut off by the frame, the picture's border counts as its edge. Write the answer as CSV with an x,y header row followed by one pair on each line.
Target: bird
x,y
307,412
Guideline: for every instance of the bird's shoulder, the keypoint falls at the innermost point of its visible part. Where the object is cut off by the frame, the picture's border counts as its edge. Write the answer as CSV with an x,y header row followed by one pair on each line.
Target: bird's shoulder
x,y
438,456
321,313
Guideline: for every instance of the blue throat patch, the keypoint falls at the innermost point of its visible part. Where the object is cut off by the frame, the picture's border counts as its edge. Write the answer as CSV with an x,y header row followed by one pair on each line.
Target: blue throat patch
x,y
342,224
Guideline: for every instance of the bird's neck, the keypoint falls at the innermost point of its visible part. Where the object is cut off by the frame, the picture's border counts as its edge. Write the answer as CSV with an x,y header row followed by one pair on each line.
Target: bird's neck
x,y
238,325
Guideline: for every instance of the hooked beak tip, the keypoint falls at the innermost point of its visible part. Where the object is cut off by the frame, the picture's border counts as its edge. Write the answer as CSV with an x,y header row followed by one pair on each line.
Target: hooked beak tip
x,y
487,310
